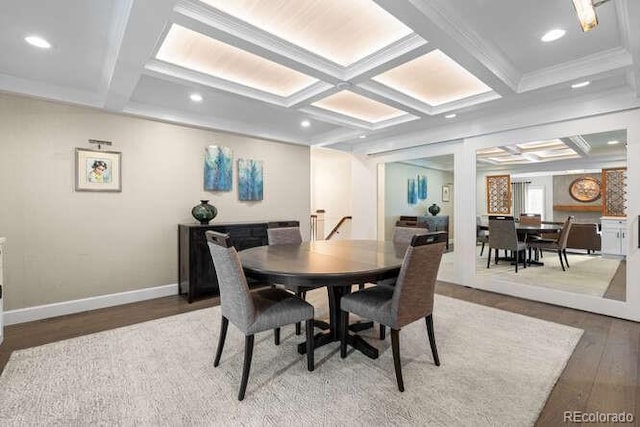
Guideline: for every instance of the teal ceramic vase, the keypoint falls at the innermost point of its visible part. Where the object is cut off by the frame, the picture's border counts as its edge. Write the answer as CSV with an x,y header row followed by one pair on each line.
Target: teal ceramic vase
x,y
434,209
204,212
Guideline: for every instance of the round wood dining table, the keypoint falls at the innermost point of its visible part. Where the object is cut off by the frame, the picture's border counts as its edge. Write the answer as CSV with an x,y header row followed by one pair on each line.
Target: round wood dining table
x,y
334,264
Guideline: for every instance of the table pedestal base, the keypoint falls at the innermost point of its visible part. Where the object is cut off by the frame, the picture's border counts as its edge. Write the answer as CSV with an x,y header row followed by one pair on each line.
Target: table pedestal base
x,y
333,335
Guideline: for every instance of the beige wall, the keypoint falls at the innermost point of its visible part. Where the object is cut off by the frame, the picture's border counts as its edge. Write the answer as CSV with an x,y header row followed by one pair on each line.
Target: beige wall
x,y
64,245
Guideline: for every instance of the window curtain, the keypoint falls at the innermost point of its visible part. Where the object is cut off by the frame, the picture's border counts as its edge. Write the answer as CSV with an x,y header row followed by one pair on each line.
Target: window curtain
x,y
519,190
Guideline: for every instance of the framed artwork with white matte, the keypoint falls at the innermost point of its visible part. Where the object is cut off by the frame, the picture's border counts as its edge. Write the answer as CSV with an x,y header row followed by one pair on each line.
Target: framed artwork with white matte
x,y
97,170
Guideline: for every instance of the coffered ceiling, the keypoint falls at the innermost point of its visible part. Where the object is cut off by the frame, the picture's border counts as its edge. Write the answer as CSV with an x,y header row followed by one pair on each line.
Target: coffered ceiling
x,y
369,76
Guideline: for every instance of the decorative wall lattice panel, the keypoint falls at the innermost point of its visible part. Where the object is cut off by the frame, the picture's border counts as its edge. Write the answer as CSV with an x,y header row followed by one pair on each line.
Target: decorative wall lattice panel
x,y
498,194
614,183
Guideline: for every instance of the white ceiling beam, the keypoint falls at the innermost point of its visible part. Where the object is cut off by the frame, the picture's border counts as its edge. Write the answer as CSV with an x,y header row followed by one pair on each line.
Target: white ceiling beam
x,y
592,65
146,21
628,12
440,26
564,109
578,144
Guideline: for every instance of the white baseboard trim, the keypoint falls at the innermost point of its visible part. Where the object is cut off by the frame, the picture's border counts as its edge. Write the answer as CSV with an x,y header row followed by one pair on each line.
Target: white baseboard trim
x,y
39,312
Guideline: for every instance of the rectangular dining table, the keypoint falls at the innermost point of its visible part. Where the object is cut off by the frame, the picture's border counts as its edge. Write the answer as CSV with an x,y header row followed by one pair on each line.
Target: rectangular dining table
x,y
334,264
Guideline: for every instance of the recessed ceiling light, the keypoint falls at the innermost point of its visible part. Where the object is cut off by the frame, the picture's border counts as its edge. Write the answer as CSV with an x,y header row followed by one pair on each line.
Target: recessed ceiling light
x,y
362,136
37,42
450,116
195,97
553,35
581,84
305,123
613,142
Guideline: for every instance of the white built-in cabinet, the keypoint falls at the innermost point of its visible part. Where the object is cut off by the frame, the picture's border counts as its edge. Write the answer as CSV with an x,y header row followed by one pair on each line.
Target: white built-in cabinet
x,y
2,240
614,235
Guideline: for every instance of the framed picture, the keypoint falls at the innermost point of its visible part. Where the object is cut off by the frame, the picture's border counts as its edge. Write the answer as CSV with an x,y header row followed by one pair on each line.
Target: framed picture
x,y
98,170
446,193
250,180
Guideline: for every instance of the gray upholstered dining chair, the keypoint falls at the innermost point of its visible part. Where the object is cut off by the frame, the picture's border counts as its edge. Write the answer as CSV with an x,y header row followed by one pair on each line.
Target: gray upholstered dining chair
x,y
402,236
252,312
503,235
559,244
409,300
288,233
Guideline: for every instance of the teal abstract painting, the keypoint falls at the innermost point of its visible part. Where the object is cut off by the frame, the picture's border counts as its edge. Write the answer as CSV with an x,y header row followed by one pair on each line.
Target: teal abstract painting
x,y
218,168
250,180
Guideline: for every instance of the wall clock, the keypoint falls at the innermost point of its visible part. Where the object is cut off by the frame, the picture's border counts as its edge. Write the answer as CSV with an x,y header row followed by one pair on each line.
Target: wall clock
x,y
585,189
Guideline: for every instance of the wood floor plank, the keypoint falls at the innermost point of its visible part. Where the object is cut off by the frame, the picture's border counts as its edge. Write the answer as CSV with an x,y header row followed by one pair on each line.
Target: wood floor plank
x,y
616,382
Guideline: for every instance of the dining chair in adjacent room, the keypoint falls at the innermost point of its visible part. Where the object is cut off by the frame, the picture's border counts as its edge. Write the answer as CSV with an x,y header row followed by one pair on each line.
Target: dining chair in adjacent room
x,y
409,300
558,244
531,219
503,235
482,236
288,233
253,312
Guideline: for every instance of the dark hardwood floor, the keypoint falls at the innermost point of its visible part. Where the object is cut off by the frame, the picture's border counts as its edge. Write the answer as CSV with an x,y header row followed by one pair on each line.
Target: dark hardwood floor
x,y
601,375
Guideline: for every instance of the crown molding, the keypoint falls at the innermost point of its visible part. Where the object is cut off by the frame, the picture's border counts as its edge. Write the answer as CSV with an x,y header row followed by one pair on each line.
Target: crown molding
x,y
311,94
399,52
630,39
469,101
38,89
177,74
389,96
601,62
481,49
235,32
206,121
578,144
336,118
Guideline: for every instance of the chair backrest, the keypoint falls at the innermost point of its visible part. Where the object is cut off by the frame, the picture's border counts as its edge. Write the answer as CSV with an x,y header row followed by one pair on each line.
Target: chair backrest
x,y
480,233
415,287
530,219
502,232
284,233
564,233
235,298
405,234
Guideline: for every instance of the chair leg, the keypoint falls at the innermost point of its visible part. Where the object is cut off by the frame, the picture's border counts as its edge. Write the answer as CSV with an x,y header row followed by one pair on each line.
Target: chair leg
x,y
308,326
432,339
524,258
361,286
343,333
383,332
482,249
276,336
561,262
497,255
302,295
246,366
395,347
566,261
489,258
223,335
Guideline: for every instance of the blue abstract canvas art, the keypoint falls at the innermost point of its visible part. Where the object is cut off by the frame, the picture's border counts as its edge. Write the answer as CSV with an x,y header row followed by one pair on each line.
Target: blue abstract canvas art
x,y
422,187
218,168
250,182
412,193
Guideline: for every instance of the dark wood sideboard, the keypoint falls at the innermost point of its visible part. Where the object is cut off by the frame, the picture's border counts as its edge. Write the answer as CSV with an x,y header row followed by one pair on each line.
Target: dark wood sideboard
x,y
196,274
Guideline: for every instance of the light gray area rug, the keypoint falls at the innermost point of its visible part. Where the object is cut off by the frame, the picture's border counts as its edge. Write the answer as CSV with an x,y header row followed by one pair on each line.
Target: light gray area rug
x,y
588,274
497,369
